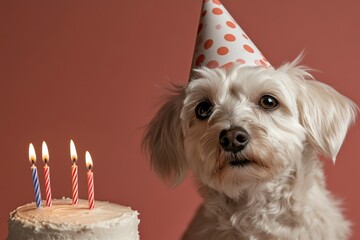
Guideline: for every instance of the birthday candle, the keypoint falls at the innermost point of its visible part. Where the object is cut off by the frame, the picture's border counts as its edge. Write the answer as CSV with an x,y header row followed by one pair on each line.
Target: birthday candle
x,y
35,178
45,157
90,178
74,174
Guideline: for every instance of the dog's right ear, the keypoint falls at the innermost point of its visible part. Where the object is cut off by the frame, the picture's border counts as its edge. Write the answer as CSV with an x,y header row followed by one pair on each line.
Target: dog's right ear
x,y
163,139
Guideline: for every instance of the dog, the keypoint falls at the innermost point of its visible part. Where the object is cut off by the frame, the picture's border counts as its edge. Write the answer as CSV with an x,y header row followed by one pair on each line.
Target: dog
x,y
251,136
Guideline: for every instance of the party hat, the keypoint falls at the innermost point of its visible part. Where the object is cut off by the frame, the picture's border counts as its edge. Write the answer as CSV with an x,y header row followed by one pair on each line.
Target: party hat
x,y
221,42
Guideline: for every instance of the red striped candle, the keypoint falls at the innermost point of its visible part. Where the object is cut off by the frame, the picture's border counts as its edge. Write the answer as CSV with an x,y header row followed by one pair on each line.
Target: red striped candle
x,y
47,185
90,178
75,184
45,157
74,174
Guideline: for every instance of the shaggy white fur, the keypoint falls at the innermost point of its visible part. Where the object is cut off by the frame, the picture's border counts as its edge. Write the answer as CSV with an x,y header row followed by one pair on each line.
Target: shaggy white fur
x,y
268,183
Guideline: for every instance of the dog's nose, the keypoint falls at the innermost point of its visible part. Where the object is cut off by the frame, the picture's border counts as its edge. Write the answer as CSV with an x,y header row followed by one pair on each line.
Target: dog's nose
x,y
234,139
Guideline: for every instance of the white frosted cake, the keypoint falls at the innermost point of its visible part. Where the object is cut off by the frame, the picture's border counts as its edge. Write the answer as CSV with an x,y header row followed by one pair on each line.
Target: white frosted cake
x,y
107,221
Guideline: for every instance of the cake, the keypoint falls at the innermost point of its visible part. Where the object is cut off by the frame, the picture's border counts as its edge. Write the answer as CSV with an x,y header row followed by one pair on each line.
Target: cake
x,y
107,221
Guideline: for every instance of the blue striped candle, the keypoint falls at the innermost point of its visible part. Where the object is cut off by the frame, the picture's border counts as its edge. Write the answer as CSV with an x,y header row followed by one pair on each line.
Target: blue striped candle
x,y
37,192
35,178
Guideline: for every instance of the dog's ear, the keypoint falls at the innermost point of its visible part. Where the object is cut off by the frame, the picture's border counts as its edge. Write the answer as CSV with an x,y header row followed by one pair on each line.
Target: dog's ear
x,y
325,114
163,139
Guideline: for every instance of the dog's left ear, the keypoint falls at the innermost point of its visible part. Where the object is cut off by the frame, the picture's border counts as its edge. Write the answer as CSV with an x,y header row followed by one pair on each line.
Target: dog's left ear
x,y
325,114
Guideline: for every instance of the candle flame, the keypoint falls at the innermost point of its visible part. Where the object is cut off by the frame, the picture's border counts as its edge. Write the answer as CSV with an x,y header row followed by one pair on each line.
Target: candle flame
x,y
88,160
73,153
32,154
45,152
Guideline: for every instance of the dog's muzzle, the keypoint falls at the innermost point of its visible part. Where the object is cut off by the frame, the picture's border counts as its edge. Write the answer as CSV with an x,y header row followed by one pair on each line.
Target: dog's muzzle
x,y
234,139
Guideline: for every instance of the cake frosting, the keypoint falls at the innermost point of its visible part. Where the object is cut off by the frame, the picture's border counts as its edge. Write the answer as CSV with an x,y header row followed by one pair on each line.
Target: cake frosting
x,y
107,221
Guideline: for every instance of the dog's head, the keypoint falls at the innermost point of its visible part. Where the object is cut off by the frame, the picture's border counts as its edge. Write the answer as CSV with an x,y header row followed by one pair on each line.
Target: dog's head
x,y
246,125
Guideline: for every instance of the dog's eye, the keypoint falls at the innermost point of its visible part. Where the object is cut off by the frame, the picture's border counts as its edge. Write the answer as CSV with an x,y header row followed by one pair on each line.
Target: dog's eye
x,y
268,102
203,110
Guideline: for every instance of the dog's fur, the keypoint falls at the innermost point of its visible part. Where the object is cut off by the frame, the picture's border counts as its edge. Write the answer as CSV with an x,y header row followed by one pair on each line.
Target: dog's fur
x,y
281,194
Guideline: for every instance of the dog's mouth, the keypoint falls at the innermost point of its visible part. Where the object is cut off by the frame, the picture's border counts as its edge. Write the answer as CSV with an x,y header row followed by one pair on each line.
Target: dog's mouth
x,y
236,162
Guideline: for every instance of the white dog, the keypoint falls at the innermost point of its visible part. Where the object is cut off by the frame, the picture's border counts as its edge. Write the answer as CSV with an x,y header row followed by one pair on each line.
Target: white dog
x,y
251,136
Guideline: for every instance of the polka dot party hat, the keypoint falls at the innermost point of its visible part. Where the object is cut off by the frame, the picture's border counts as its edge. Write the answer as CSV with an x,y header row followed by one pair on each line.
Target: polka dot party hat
x,y
221,42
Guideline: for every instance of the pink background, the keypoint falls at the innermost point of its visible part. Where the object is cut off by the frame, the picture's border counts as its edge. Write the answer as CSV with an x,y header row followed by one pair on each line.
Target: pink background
x,y
91,70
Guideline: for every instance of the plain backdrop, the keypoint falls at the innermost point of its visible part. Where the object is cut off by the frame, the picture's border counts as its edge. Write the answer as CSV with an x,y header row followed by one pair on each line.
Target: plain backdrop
x,y
94,71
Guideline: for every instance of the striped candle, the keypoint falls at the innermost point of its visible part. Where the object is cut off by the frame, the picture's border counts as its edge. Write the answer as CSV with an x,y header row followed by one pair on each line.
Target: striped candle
x,y
74,174
74,181
45,157
90,178
47,185
35,177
